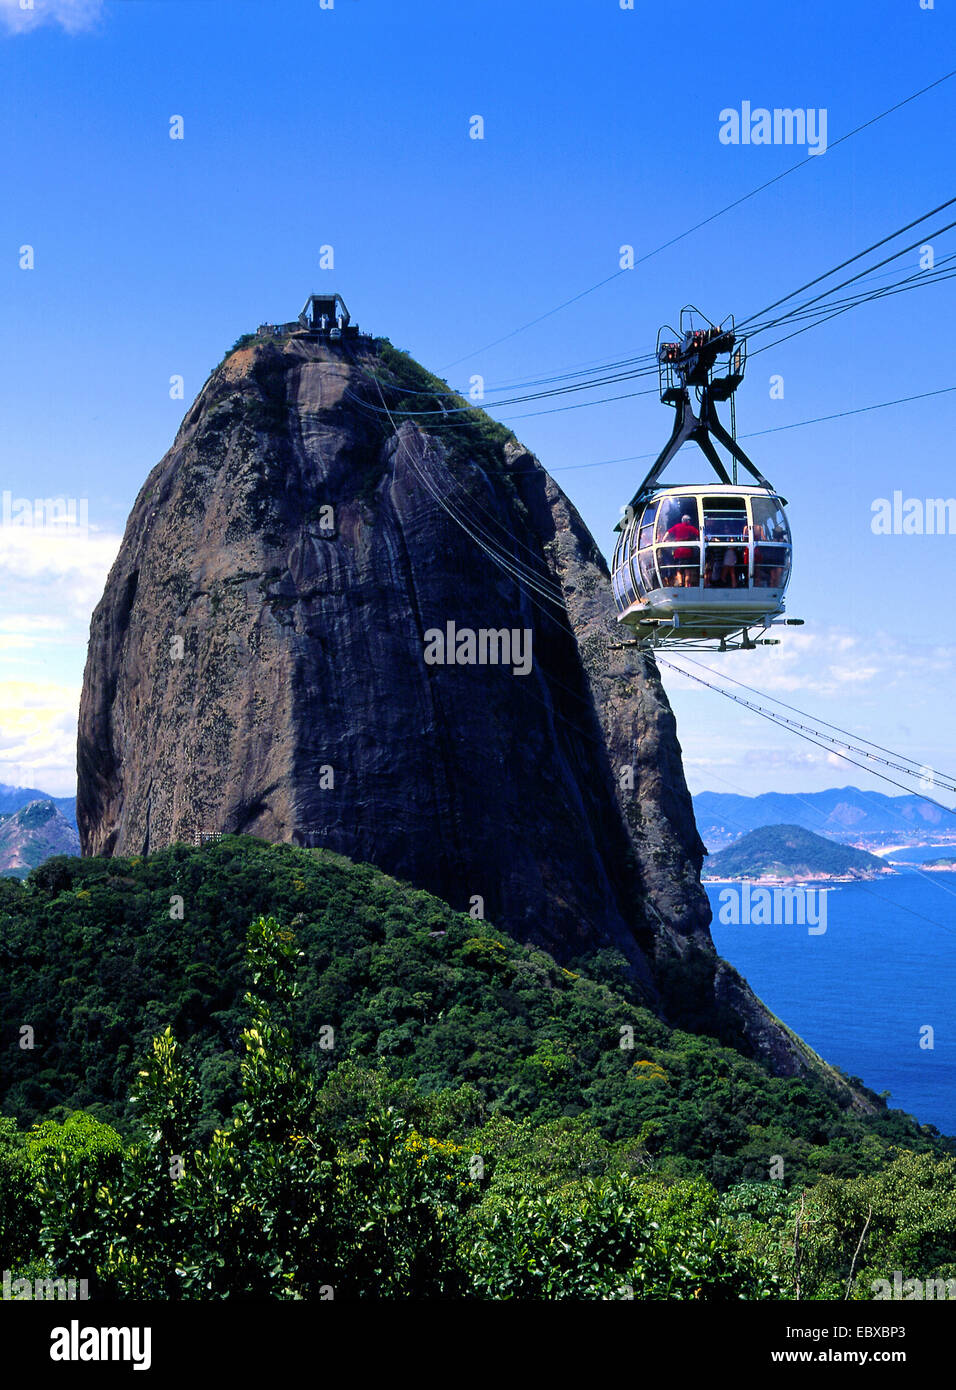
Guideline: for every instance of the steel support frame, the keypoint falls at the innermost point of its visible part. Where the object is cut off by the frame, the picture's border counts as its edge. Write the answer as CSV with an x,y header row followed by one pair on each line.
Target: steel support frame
x,y
699,428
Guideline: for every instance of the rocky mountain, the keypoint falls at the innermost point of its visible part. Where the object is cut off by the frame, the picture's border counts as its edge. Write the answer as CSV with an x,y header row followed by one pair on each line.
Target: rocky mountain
x,y
33,834
305,637
789,851
843,813
14,798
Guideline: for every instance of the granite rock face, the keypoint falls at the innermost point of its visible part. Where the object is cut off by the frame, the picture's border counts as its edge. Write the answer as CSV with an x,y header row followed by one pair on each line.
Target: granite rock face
x,y
257,665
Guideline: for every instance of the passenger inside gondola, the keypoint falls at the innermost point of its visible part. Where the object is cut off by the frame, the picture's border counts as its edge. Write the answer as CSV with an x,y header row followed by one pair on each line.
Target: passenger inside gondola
x,y
772,558
679,564
684,560
726,565
753,533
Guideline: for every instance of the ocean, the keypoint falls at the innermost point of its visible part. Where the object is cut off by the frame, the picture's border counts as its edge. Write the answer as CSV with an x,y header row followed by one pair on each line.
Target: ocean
x,y
863,992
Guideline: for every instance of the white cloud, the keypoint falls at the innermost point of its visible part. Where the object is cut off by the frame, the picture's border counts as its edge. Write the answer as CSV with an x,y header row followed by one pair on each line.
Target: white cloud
x,y
29,626
59,571
823,663
861,683
38,735
51,579
22,16
21,632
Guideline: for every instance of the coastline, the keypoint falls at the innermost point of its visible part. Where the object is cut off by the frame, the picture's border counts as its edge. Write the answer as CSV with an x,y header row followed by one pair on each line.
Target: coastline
x,y
794,881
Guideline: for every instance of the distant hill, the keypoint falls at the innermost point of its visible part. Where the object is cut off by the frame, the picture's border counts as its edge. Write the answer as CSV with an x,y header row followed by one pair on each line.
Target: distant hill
x,y
843,813
15,798
32,835
790,851
945,863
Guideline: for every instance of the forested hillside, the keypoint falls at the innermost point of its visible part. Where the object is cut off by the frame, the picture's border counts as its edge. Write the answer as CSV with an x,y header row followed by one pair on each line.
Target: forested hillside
x,y
790,851
98,956
363,1185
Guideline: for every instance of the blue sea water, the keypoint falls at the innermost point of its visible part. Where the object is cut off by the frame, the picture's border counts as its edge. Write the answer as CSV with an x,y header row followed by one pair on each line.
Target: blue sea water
x,y
860,993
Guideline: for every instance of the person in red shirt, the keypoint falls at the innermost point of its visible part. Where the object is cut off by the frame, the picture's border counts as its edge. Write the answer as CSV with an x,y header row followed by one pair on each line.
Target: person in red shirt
x,y
684,558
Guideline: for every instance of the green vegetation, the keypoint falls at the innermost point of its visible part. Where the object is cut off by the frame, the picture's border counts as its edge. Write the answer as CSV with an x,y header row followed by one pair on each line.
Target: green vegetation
x,y
243,341
468,435
789,851
95,959
416,393
904,1219
367,1187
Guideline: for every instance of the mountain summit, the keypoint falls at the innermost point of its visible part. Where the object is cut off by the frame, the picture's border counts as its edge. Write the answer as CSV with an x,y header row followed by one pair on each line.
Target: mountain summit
x,y
33,833
305,637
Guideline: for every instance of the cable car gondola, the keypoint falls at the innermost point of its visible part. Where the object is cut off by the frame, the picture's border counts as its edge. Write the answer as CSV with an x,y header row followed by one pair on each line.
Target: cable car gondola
x,y
698,565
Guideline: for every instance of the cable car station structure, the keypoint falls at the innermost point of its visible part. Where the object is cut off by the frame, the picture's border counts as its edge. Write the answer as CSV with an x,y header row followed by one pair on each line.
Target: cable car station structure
x,y
700,566
323,316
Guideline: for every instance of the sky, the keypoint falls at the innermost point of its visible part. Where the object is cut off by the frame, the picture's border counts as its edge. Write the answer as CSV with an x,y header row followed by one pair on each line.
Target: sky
x,y
307,125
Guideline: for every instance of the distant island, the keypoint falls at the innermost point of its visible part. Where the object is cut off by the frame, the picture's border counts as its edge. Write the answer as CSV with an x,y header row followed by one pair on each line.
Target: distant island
x,y
790,853
865,819
942,865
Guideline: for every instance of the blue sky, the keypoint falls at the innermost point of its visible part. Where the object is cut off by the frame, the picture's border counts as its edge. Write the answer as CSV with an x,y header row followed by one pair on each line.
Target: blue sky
x,y
306,126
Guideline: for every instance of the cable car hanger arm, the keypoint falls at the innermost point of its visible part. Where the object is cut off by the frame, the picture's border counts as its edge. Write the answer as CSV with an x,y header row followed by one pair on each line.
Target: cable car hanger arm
x,y
711,422
688,426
